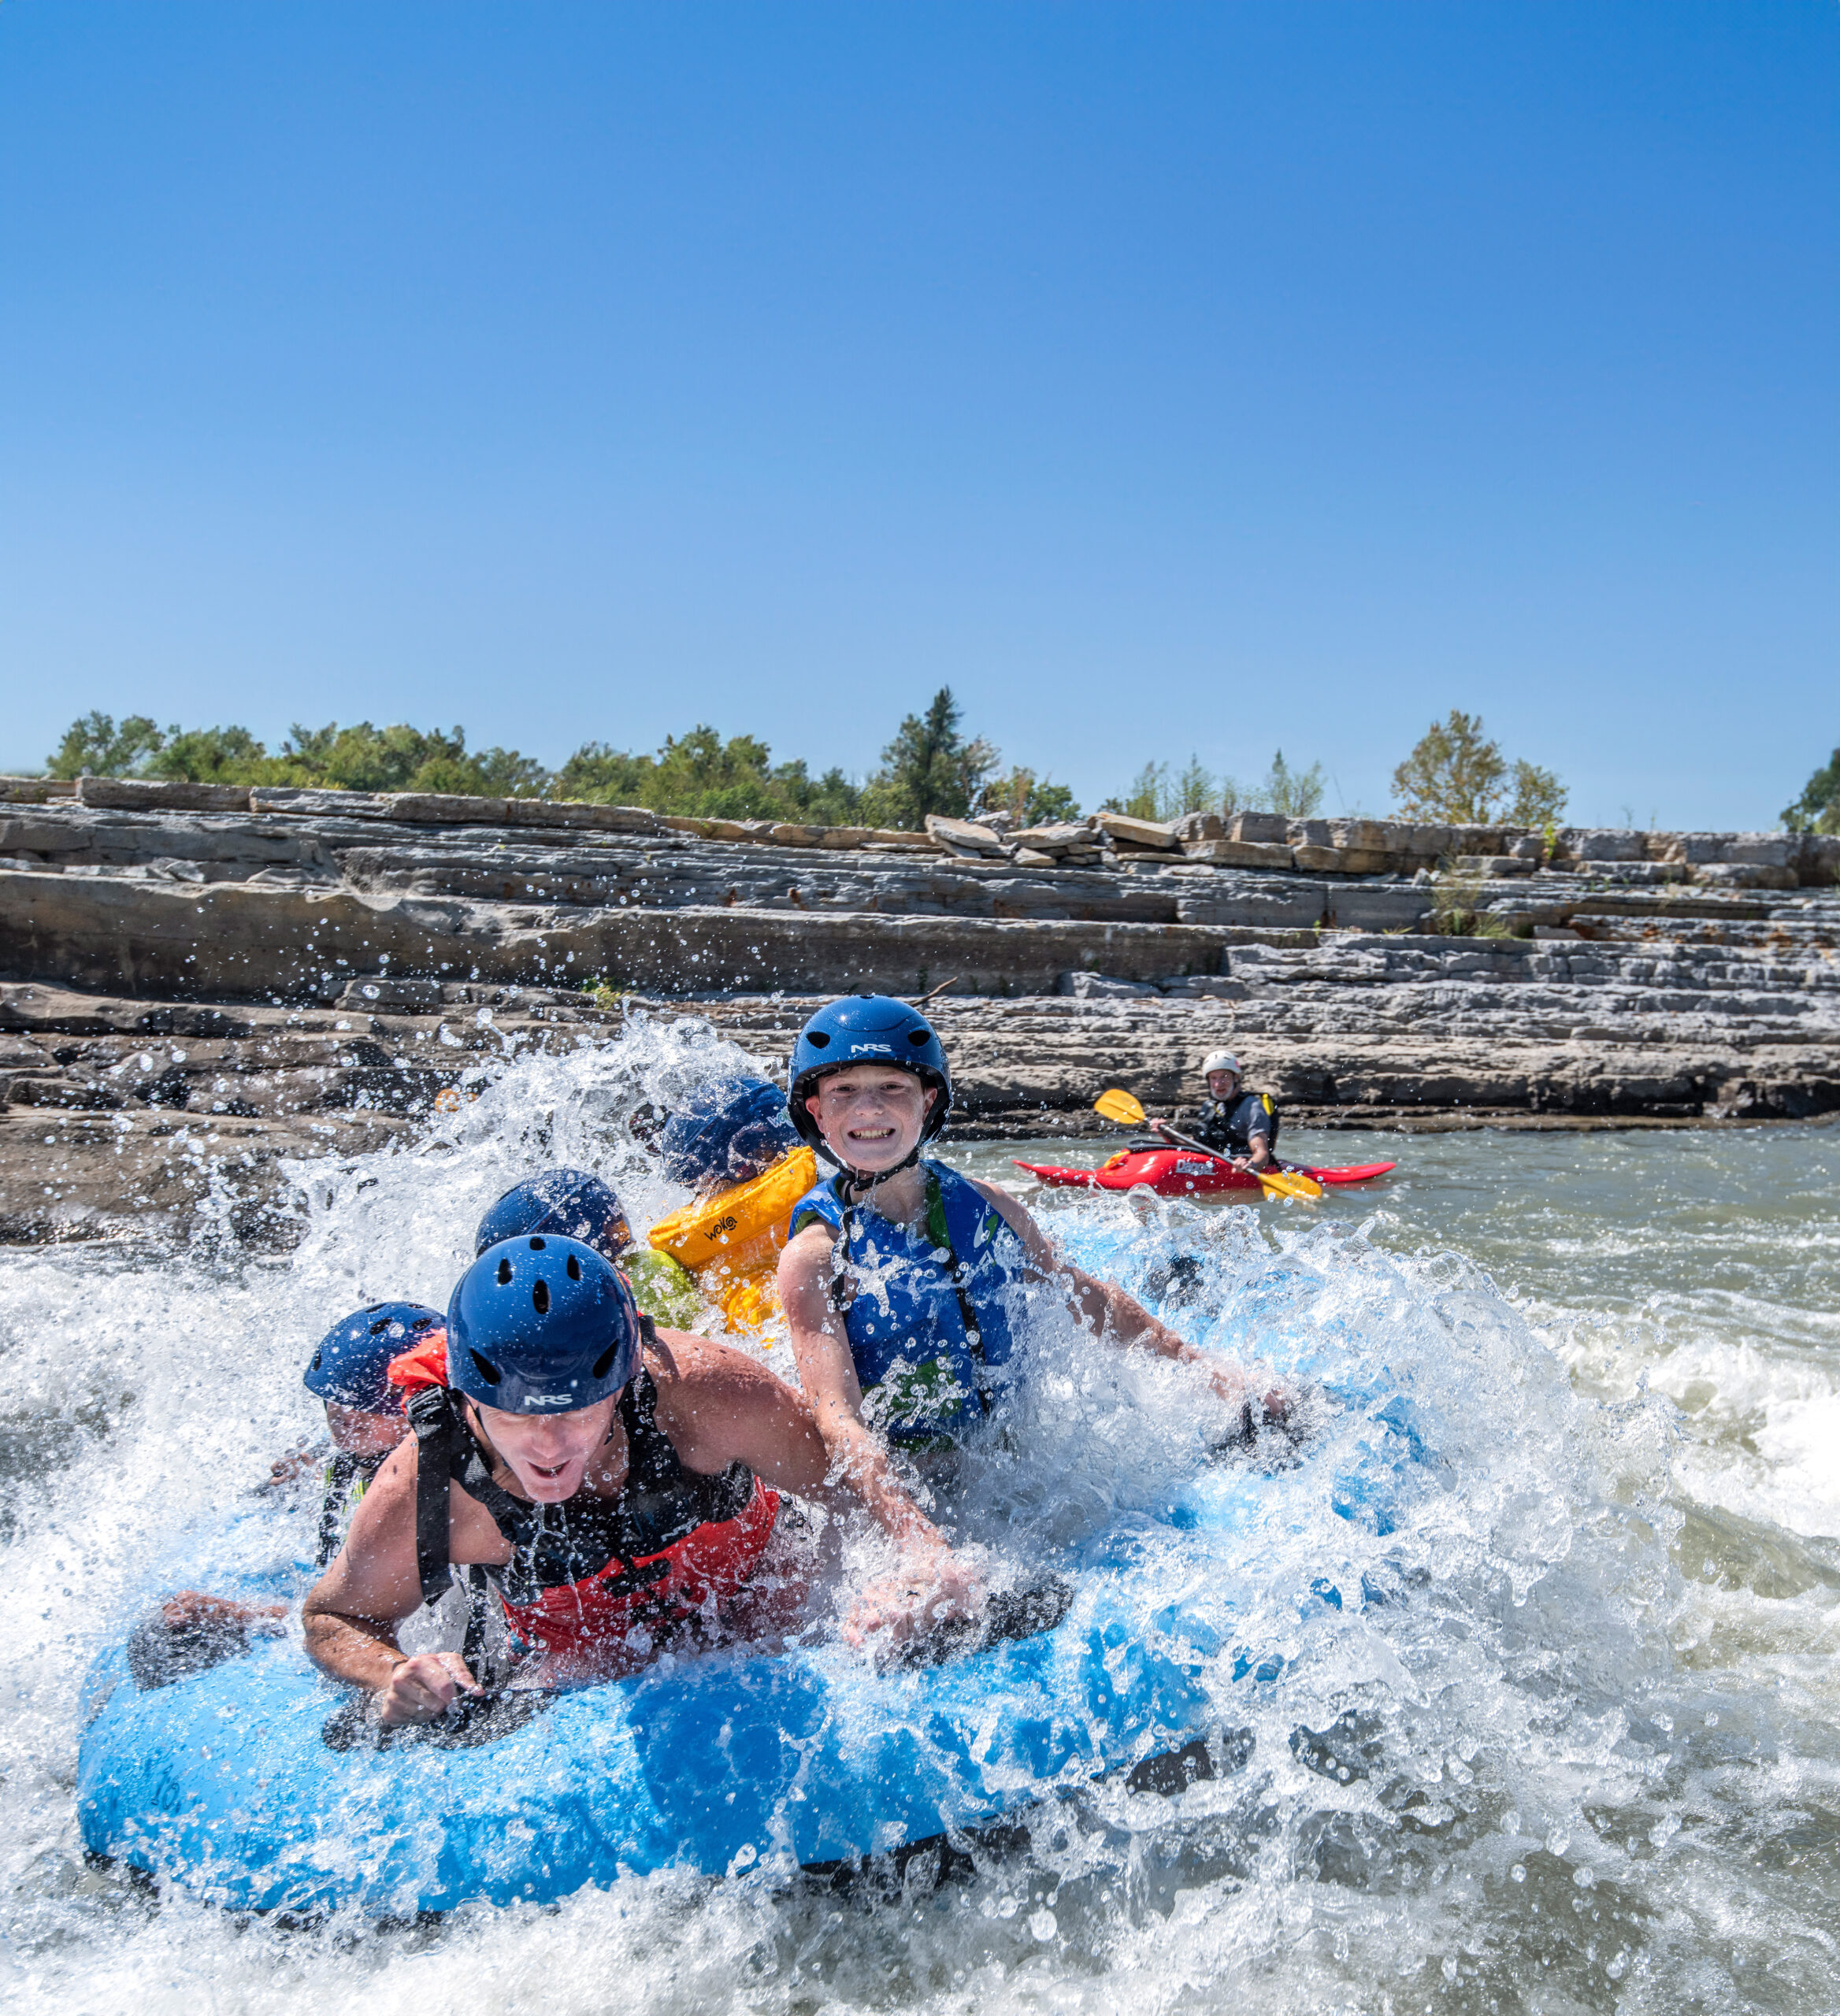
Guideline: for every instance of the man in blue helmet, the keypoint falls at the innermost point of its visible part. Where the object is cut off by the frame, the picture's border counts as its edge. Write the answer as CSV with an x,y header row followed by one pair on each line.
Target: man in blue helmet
x,y
578,1205
897,1281
618,1482
349,1374
573,1202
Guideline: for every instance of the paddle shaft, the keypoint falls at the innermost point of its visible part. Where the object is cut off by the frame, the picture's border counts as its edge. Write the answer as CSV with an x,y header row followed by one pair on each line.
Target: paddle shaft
x,y
1213,1155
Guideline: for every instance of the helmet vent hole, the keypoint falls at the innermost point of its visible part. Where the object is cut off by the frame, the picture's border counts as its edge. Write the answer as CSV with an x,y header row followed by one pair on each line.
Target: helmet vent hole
x,y
574,1268
317,1357
421,1323
378,1327
604,1364
488,1371
536,1246
919,1038
504,1273
817,1040
539,1298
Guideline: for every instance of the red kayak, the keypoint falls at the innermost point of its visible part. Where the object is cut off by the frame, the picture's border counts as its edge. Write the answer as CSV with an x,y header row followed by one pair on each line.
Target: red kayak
x,y
1175,1173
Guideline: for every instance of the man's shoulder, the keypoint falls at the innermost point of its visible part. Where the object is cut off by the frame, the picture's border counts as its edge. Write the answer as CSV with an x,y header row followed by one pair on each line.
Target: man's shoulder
x,y
681,1361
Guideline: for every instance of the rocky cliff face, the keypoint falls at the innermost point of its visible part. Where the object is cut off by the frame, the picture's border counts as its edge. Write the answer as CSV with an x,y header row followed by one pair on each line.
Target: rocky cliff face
x,y
199,988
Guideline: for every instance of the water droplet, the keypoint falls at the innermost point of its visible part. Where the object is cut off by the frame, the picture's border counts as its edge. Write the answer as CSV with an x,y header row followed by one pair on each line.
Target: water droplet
x,y
1712,1719
1519,1872
1618,1967
1006,1907
1043,1925
1450,1966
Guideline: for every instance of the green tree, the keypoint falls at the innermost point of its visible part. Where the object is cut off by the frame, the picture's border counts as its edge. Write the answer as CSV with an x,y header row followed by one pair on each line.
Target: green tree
x,y
699,775
1818,808
1453,776
1147,795
928,767
360,757
1029,800
208,756
830,800
1295,794
1193,790
93,746
1539,798
603,776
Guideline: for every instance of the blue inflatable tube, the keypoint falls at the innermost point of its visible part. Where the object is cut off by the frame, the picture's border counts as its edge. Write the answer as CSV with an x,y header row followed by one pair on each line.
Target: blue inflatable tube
x,y
225,1780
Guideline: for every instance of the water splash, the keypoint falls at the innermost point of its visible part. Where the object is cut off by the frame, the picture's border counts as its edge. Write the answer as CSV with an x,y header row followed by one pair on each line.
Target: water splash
x,y
1508,1743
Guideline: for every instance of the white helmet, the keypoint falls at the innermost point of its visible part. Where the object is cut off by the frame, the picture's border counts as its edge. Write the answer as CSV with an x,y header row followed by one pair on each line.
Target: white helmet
x,y
1220,1060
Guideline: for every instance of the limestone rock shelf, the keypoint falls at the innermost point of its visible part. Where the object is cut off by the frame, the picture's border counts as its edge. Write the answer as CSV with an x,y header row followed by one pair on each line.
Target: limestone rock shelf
x,y
199,995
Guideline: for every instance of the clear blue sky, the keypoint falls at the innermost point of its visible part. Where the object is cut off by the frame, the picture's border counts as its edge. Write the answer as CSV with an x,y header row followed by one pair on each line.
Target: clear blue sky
x,y
1163,377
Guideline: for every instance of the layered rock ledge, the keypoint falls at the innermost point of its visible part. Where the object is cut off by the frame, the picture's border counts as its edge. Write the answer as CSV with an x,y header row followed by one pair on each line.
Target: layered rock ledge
x,y
199,992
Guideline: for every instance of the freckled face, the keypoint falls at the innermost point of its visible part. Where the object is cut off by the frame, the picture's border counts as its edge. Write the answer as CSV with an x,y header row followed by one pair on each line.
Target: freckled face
x,y
870,1115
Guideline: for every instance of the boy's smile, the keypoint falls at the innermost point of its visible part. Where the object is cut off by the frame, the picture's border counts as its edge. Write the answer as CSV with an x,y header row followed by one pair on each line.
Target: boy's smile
x,y
870,1115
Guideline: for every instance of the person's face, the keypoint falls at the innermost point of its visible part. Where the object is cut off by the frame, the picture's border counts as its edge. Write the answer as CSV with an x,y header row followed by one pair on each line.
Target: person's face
x,y
1224,1085
356,1433
870,1115
549,1453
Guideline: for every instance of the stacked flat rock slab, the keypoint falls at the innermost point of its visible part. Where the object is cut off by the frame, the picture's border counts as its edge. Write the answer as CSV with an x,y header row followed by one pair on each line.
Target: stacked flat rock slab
x,y
1622,977
186,1119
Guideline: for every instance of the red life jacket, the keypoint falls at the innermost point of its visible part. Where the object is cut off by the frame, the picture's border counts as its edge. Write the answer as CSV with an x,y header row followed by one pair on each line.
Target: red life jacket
x,y
592,1570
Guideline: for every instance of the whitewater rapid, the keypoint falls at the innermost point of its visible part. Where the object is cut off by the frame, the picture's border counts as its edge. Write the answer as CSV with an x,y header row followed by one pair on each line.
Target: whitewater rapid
x,y
1577,1750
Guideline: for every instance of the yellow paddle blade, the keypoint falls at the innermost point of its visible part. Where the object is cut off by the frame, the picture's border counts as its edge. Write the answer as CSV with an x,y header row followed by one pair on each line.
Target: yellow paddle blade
x,y
1289,1183
1120,1106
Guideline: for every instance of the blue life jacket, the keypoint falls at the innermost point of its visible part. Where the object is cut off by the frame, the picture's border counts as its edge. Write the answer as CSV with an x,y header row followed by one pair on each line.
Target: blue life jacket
x,y
923,1306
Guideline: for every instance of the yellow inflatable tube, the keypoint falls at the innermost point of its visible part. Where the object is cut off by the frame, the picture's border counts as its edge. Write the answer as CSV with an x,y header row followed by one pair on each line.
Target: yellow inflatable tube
x,y
731,1242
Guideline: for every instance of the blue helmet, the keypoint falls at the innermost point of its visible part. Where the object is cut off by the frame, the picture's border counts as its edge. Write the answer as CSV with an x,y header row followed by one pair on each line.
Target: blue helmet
x,y
541,1326
866,1028
567,1202
350,1364
731,1131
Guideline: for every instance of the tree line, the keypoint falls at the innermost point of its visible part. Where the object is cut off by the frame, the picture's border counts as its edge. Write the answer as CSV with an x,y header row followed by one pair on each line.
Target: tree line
x,y
929,765
1455,775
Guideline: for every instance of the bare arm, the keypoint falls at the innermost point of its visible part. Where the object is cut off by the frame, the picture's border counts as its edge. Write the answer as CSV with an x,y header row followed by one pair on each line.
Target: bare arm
x,y
1118,1318
720,1407
351,1613
828,1374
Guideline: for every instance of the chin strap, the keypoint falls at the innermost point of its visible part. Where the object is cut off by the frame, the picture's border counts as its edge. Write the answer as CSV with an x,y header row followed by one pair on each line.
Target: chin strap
x,y
865,1179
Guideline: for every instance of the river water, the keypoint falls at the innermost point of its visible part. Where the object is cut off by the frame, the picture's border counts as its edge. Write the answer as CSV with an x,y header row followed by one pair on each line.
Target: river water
x,y
1583,1752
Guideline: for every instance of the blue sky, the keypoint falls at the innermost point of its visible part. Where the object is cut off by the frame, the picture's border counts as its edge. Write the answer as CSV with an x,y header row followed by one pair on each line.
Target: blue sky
x,y
1164,378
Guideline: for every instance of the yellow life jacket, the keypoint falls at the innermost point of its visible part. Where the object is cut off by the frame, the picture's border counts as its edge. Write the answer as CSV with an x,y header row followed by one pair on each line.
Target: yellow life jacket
x,y
731,1242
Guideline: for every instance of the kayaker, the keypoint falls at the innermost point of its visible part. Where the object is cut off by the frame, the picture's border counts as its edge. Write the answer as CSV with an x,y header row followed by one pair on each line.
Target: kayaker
x,y
618,1479
733,1145
1240,1126
576,1204
349,1374
897,1281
